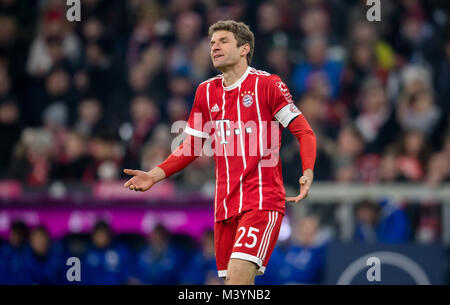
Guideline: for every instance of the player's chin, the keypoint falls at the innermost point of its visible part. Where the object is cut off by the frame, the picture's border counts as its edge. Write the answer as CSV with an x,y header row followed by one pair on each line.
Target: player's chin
x,y
218,64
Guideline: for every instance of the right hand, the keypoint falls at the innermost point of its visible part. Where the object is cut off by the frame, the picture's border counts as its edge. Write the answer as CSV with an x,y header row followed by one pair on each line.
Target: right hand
x,y
141,182
305,184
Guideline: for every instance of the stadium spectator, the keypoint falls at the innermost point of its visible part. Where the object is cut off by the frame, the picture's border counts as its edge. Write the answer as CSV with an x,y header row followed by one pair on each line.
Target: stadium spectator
x,y
277,270
271,35
156,148
5,84
305,255
16,30
349,148
43,261
157,263
429,223
389,169
12,256
201,69
31,161
419,112
408,80
56,89
98,66
202,268
55,43
144,35
413,153
55,121
89,120
105,262
360,67
394,225
318,71
278,61
438,170
105,150
446,146
417,41
145,115
442,77
180,86
385,222
177,109
10,132
74,164
314,20
366,215
180,52
375,120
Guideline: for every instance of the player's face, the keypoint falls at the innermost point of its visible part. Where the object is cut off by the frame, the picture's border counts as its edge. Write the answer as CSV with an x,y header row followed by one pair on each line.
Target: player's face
x,y
224,50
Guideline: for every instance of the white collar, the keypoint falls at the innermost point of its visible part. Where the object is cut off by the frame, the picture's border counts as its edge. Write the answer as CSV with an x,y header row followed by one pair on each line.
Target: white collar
x,y
236,84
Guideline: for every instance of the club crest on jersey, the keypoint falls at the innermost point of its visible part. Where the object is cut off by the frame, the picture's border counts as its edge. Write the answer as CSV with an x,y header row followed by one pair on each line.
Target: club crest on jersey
x,y
247,98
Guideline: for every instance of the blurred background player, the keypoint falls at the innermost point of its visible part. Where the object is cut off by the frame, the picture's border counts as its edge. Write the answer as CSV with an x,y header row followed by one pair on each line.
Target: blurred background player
x,y
202,268
305,255
12,256
157,263
43,261
105,262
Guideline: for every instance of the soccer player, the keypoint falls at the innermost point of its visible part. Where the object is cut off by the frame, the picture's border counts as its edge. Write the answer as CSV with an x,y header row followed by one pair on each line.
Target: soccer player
x,y
241,111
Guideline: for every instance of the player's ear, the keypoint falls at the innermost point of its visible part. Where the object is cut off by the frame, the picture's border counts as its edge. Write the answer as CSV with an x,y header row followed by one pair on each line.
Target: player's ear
x,y
245,49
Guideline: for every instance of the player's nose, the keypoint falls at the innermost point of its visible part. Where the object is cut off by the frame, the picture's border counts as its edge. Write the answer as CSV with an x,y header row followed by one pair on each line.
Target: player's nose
x,y
215,47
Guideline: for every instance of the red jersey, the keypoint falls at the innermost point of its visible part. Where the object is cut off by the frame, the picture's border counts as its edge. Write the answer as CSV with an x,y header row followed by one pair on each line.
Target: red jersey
x,y
244,122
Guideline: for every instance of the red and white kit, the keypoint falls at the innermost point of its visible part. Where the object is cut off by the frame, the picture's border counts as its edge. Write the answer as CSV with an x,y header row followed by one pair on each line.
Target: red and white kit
x,y
238,118
244,122
250,236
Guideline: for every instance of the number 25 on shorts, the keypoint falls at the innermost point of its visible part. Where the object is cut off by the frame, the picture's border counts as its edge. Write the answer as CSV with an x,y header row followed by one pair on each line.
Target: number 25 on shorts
x,y
250,234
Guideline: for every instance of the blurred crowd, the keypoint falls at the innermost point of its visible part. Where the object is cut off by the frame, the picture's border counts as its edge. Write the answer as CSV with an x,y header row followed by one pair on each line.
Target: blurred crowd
x,y
80,101
31,256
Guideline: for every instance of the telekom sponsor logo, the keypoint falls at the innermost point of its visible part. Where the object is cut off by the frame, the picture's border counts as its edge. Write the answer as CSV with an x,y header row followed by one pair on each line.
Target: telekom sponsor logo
x,y
230,138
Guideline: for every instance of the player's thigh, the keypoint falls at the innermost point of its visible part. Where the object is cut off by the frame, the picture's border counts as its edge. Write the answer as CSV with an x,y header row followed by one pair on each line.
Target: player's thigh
x,y
256,234
224,234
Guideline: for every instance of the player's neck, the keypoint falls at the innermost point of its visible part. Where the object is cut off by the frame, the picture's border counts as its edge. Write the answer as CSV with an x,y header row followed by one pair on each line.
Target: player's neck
x,y
232,74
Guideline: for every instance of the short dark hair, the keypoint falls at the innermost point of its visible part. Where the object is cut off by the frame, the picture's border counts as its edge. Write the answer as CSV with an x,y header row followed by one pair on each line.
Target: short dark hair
x,y
19,227
102,225
41,229
366,204
241,31
161,229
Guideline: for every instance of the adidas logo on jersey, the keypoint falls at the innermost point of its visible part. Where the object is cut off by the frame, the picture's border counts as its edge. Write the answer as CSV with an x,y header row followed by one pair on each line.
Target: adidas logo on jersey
x,y
215,108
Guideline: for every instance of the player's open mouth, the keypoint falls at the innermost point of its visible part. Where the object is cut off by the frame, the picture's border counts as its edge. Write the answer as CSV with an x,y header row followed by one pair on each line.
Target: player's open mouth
x,y
217,56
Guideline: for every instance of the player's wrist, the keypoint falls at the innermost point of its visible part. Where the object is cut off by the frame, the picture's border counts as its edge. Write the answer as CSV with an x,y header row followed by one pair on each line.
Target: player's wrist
x,y
157,174
309,173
